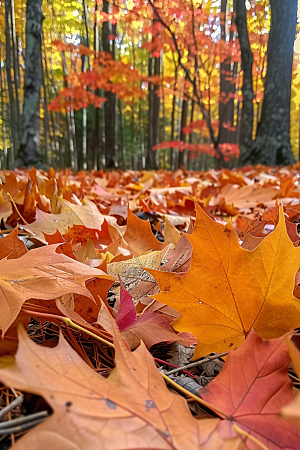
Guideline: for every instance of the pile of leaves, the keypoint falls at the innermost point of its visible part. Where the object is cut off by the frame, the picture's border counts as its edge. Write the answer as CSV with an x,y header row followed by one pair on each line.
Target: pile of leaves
x,y
107,316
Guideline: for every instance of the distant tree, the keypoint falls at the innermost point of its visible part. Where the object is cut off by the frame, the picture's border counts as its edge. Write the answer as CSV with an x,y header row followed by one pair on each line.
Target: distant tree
x,y
109,31
272,144
30,153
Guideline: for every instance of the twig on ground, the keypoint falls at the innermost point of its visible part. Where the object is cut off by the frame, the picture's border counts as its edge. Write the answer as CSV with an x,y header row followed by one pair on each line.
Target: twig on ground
x,y
196,363
16,402
20,428
22,420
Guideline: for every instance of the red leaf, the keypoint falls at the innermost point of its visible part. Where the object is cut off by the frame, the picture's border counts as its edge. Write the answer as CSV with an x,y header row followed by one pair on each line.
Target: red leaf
x,y
126,314
251,390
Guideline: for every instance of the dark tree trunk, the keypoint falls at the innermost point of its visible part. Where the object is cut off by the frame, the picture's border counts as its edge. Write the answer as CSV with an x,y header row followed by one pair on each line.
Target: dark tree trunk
x,y
272,145
149,156
156,110
95,149
182,159
227,86
15,59
173,158
30,144
153,113
14,125
247,88
5,162
110,104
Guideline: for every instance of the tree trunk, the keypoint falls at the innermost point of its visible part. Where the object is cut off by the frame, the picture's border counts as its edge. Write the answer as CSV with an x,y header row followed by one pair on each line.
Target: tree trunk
x,y
227,85
46,119
156,109
3,118
110,104
14,126
70,123
272,145
173,153
96,147
30,144
152,120
247,88
149,157
15,59
182,159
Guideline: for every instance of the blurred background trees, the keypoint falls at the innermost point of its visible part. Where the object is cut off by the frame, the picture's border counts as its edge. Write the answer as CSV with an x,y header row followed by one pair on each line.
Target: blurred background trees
x,y
101,83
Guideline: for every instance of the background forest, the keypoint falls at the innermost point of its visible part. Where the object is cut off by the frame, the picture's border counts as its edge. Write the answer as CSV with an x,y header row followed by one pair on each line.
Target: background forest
x,y
92,83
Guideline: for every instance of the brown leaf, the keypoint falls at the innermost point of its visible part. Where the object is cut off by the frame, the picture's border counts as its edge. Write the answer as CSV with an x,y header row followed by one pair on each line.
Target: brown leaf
x,y
139,236
132,409
153,328
11,246
42,274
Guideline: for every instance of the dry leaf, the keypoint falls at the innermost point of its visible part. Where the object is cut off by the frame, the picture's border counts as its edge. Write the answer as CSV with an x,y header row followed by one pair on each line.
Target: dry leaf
x,y
250,391
42,274
132,409
229,290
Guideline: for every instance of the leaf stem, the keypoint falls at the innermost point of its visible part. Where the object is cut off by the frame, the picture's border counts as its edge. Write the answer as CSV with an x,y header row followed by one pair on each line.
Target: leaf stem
x,y
16,208
193,396
249,436
73,325
197,363
173,365
70,324
16,402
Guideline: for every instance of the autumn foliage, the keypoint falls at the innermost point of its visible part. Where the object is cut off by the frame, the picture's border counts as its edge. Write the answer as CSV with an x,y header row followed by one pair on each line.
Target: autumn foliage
x,y
107,277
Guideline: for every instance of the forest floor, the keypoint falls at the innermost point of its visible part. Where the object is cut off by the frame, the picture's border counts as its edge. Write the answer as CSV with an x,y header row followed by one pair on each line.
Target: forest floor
x,y
175,300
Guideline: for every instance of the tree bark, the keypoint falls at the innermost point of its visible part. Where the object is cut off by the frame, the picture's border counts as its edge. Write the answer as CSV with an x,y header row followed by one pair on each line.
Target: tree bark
x,y
110,104
6,165
227,85
272,145
70,123
247,88
149,156
30,144
182,158
173,153
14,126
15,62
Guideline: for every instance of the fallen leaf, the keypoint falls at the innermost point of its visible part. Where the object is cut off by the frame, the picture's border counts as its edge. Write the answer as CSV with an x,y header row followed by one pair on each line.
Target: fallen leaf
x,y
132,409
292,410
9,342
126,313
153,328
42,274
229,290
250,391
86,214
171,234
11,246
248,196
139,236
5,208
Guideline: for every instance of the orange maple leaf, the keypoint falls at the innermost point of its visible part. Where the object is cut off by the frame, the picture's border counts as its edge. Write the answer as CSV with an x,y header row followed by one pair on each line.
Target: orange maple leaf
x,y
229,290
